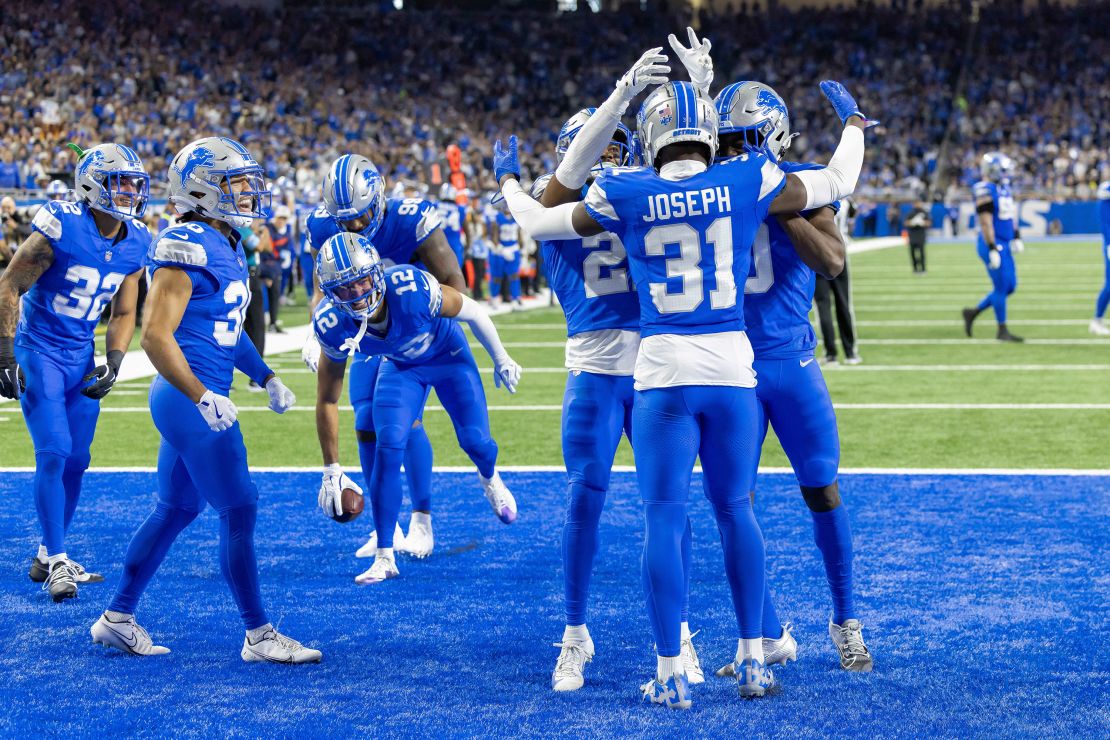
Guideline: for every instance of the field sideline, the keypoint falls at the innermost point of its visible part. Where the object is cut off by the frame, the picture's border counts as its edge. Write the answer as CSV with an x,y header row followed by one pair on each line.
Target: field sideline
x,y
925,397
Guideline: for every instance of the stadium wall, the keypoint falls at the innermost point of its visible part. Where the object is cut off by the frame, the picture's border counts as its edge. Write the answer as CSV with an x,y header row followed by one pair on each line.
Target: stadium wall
x,y
1038,218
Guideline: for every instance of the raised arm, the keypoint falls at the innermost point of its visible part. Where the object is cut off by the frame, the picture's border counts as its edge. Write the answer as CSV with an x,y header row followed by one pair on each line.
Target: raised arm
x,y
811,189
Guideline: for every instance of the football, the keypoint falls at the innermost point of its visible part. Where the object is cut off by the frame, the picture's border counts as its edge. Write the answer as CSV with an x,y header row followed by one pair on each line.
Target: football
x,y
352,506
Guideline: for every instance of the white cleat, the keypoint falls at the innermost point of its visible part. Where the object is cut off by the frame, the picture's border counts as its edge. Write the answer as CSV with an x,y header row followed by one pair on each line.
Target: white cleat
x,y
125,635
780,652
571,664
1098,328
848,639
382,570
274,647
500,500
419,542
690,662
370,549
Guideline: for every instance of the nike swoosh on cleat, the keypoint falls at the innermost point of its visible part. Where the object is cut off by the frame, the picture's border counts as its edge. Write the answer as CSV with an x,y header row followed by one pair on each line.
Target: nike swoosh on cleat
x,y
267,658
130,643
804,363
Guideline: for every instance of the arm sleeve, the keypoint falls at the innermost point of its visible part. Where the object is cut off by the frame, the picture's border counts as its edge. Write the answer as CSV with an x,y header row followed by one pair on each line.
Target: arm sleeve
x,y
483,328
542,224
590,142
838,179
249,362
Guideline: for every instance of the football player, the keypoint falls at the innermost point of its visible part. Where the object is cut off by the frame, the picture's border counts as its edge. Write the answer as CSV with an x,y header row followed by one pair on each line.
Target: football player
x,y
685,227
193,334
452,216
1096,326
79,258
405,230
793,398
999,239
590,278
401,315
504,264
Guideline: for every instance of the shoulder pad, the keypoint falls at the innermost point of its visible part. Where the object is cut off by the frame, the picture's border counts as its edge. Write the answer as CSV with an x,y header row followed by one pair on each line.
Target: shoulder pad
x,y
174,247
540,184
48,220
981,188
1104,191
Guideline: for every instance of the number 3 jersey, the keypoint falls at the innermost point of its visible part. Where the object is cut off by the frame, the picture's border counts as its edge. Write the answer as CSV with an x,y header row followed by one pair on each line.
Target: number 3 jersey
x,y
779,291
213,320
685,238
414,333
62,308
590,277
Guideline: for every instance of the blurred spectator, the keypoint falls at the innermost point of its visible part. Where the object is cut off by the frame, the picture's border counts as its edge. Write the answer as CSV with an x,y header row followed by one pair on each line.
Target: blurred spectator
x,y
917,224
15,226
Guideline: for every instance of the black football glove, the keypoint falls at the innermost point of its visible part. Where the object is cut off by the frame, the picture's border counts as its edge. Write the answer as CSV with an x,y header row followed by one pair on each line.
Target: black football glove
x,y
12,382
103,376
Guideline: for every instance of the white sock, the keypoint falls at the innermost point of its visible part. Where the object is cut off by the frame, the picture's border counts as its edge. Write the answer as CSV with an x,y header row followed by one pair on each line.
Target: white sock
x,y
420,516
256,634
117,616
576,633
385,552
749,649
685,631
42,556
57,558
667,667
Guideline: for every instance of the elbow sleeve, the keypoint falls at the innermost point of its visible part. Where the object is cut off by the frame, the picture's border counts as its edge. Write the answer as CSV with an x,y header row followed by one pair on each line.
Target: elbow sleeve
x,y
540,223
838,179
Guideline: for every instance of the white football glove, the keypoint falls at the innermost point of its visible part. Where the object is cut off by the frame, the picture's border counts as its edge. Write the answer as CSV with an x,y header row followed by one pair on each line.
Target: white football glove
x,y
281,398
696,59
507,373
310,353
994,258
218,411
1017,246
649,69
330,498
508,253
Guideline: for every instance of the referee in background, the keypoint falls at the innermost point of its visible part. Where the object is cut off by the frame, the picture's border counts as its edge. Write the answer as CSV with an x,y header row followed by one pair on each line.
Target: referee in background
x,y
916,225
840,289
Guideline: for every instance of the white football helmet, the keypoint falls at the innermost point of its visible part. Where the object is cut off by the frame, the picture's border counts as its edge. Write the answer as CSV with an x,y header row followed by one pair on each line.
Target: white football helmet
x,y
107,173
353,188
758,113
344,262
201,178
996,167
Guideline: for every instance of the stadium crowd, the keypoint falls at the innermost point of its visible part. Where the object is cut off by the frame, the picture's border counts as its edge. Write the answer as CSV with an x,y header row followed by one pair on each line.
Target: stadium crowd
x,y
302,85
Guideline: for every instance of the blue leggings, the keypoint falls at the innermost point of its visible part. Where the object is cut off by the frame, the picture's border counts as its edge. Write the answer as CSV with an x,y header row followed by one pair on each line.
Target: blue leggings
x,y
1104,296
1003,281
399,401
672,427
61,422
196,467
363,373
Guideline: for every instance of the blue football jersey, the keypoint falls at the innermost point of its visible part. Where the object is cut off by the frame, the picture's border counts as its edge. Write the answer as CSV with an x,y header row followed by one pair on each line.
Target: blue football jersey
x,y
415,333
213,320
590,277
62,308
407,223
686,239
508,235
1104,210
452,218
778,291
1003,208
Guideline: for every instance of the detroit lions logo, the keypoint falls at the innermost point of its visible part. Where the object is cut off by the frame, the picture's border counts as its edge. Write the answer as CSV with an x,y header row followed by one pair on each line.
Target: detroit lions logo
x,y
768,102
368,175
200,157
94,160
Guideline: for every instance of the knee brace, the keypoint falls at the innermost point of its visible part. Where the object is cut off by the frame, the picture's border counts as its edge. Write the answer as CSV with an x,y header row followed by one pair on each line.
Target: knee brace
x,y
822,498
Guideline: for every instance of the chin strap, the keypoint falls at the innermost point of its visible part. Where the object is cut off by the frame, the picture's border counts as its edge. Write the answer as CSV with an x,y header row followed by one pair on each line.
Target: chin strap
x,y
350,345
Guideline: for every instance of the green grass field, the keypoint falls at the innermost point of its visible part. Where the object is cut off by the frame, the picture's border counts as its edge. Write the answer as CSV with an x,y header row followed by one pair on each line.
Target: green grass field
x,y
925,397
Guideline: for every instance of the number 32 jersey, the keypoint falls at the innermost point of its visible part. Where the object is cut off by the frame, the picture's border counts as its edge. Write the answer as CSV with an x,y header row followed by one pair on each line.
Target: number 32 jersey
x,y
62,308
213,320
684,239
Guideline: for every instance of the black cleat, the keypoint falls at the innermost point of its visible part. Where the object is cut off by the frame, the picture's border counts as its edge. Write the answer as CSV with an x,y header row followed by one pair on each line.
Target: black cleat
x,y
39,570
61,583
1004,335
970,314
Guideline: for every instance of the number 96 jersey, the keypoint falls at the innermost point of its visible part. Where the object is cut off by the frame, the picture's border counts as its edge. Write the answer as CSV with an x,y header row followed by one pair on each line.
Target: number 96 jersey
x,y
210,329
61,310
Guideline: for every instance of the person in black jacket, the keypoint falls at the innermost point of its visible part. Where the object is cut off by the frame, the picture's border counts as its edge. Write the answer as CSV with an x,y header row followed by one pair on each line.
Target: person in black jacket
x,y
917,223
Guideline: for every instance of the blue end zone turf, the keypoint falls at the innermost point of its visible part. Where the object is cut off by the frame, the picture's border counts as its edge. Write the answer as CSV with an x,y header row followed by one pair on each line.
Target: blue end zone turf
x,y
984,600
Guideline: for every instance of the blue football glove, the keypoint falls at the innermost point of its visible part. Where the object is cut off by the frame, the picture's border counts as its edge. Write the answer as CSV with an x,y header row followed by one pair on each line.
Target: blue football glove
x,y
506,161
843,102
